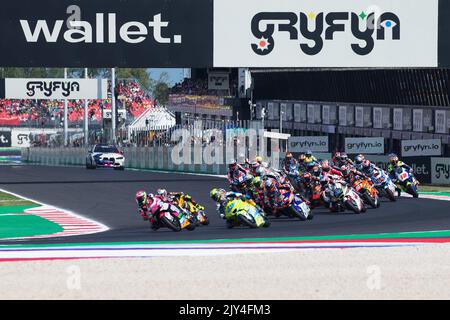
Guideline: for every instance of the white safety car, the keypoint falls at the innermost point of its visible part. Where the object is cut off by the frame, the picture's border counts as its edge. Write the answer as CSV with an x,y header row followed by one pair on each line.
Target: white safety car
x,y
105,156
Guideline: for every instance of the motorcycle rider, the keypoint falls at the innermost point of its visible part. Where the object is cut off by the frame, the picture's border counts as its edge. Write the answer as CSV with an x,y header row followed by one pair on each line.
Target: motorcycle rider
x,y
314,169
329,191
235,170
309,158
257,191
259,159
247,164
395,163
302,162
358,161
368,168
341,159
288,163
257,169
162,193
306,185
149,207
173,196
222,198
350,174
327,169
290,169
272,192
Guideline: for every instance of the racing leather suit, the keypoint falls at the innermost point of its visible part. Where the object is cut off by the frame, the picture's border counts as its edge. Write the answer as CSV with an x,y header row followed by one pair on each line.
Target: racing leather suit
x,y
234,173
229,196
391,169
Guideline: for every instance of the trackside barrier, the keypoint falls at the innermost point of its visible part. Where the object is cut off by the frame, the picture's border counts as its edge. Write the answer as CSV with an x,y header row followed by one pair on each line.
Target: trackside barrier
x,y
151,158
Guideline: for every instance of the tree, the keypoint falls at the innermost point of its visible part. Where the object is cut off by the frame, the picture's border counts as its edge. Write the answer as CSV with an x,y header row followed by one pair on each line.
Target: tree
x,y
161,88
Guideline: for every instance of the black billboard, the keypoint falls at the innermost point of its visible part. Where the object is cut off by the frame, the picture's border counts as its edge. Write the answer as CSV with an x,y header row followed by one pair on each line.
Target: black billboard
x,y
5,139
106,33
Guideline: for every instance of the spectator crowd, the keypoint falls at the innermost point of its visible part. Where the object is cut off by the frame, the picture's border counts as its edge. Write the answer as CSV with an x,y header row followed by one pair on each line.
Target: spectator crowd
x,y
44,112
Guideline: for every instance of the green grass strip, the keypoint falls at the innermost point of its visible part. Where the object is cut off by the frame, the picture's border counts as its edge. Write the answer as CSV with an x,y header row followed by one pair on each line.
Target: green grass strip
x,y
15,209
26,226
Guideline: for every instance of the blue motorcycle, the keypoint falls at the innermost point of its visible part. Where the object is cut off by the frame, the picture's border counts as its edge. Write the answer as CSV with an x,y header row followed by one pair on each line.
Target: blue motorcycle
x,y
384,184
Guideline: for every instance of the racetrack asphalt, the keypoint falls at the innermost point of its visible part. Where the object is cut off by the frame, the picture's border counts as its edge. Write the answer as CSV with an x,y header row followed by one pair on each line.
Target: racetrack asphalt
x,y
107,196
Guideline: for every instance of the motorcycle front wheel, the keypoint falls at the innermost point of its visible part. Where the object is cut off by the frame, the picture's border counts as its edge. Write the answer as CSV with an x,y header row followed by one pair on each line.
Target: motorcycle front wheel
x,y
351,206
412,191
173,225
298,213
390,195
246,222
369,200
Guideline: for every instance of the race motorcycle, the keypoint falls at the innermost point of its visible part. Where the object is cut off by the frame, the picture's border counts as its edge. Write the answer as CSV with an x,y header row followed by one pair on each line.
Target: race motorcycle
x,y
293,206
197,210
406,181
173,217
244,213
344,197
383,183
239,183
293,176
315,194
366,191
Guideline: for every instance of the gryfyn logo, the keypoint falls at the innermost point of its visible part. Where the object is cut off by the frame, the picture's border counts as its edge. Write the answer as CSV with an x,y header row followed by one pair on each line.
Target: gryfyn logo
x,y
79,31
312,27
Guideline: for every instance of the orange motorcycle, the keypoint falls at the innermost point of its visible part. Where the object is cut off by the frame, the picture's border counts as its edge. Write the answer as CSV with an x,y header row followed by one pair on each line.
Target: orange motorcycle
x,y
367,192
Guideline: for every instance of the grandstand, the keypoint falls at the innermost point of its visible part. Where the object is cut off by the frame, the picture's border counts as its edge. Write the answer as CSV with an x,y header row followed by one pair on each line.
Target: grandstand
x,y
49,113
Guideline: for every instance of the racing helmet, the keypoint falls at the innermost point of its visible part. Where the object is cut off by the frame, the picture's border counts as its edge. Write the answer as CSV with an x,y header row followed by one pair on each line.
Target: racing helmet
x,y
288,156
141,197
187,197
366,164
344,156
315,168
216,194
257,182
232,164
302,157
308,153
161,192
254,167
259,159
269,186
393,158
359,159
307,177
325,166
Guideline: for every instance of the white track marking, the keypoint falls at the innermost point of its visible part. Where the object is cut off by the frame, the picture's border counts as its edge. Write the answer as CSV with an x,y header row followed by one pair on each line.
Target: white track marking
x,y
164,250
